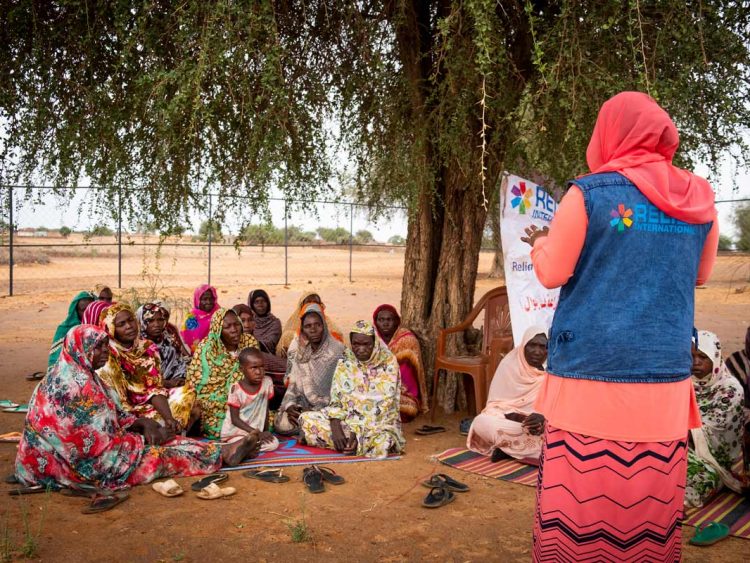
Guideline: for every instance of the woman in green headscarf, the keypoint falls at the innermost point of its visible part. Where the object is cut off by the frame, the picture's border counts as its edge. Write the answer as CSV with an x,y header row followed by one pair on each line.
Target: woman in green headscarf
x,y
363,415
75,312
215,367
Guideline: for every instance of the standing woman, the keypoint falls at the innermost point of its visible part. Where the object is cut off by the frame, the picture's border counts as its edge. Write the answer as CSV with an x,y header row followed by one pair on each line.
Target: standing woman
x,y
195,327
267,325
628,244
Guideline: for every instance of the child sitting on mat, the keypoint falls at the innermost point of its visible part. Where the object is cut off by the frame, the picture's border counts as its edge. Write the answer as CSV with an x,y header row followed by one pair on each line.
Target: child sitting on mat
x,y
247,403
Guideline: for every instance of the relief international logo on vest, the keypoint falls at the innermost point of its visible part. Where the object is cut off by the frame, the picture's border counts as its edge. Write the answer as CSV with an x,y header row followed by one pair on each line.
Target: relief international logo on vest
x,y
646,217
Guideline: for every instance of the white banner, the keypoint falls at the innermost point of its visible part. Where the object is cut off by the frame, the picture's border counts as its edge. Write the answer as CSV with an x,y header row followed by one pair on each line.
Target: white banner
x,y
523,203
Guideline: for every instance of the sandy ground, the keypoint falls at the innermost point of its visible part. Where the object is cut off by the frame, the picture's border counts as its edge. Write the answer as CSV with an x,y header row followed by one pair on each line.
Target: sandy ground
x,y
376,515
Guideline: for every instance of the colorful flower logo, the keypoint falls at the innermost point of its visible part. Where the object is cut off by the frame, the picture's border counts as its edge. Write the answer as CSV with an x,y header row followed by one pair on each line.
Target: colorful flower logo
x,y
621,218
191,323
522,199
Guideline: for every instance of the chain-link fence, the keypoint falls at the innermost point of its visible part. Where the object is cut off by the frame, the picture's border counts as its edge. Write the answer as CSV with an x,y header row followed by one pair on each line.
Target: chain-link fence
x,y
67,239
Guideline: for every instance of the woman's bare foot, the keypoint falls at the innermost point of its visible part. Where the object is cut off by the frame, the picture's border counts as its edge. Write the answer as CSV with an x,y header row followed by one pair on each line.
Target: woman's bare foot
x,y
233,454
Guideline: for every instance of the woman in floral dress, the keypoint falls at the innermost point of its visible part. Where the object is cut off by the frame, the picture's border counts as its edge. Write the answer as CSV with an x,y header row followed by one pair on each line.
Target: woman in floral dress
x,y
77,435
363,415
716,446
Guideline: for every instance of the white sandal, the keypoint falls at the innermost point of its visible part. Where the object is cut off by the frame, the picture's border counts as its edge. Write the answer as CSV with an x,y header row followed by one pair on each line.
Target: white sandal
x,y
213,491
170,488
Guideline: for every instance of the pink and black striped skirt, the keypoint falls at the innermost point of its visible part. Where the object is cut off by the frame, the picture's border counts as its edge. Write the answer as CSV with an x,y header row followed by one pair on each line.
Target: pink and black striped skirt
x,y
602,500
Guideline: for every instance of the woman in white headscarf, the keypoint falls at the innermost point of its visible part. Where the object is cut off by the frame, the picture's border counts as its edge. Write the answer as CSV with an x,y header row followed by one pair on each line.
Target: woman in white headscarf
x,y
717,445
508,425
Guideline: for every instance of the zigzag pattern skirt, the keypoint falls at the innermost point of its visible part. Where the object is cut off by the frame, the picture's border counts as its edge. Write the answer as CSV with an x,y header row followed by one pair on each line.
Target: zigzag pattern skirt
x,y
602,500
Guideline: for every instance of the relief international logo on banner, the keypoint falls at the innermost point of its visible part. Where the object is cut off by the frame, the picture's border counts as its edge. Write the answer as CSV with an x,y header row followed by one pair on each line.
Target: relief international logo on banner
x,y
523,203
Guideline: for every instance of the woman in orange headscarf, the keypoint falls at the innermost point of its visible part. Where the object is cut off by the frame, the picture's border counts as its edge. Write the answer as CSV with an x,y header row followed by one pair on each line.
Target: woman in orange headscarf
x,y
627,246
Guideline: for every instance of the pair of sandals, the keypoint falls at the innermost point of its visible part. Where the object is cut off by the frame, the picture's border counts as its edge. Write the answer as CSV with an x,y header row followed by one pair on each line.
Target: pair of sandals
x,y
315,477
101,500
442,487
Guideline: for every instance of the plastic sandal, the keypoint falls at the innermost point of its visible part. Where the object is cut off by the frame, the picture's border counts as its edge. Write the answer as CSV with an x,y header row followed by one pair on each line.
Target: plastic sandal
x,y
465,425
169,489
33,490
710,534
313,478
17,408
267,475
437,497
7,404
102,503
206,481
426,430
213,492
10,437
36,376
330,475
447,482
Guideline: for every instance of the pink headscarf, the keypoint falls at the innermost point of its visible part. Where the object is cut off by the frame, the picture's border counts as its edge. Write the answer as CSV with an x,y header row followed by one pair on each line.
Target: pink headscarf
x,y
515,384
636,137
92,314
197,323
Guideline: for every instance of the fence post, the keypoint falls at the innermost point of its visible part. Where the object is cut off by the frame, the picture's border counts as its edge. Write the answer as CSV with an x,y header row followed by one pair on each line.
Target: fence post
x,y
351,238
119,238
286,244
10,241
210,233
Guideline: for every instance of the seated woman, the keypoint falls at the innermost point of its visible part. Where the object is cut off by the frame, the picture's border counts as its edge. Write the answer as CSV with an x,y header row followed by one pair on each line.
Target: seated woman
x,y
405,346
76,434
716,446
363,415
103,293
73,318
508,426
196,324
274,366
738,364
133,371
312,361
215,368
93,313
291,328
267,326
153,319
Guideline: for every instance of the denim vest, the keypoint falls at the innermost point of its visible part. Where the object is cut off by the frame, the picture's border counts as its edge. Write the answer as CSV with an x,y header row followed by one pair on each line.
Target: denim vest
x,y
626,314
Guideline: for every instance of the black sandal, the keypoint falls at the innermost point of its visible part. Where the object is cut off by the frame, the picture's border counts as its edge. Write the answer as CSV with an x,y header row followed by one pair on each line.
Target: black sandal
x,y
36,376
267,475
437,497
102,503
446,481
33,490
330,475
427,430
313,478
206,481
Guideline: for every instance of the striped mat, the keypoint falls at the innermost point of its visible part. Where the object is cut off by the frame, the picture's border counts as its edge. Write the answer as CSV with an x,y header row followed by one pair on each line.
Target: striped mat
x,y
726,507
290,453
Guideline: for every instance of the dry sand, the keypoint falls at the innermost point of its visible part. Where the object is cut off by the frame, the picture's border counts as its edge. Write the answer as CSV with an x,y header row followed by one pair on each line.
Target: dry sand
x,y
376,515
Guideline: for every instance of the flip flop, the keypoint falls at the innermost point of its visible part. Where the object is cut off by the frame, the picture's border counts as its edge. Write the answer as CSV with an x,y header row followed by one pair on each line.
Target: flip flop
x,y
267,475
313,478
169,489
446,481
465,425
36,376
10,437
32,490
709,534
102,503
330,475
427,430
213,491
7,403
206,481
81,493
17,408
437,497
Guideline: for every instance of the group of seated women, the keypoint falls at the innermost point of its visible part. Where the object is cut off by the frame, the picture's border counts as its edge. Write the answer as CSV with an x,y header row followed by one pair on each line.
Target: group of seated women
x,y
125,388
